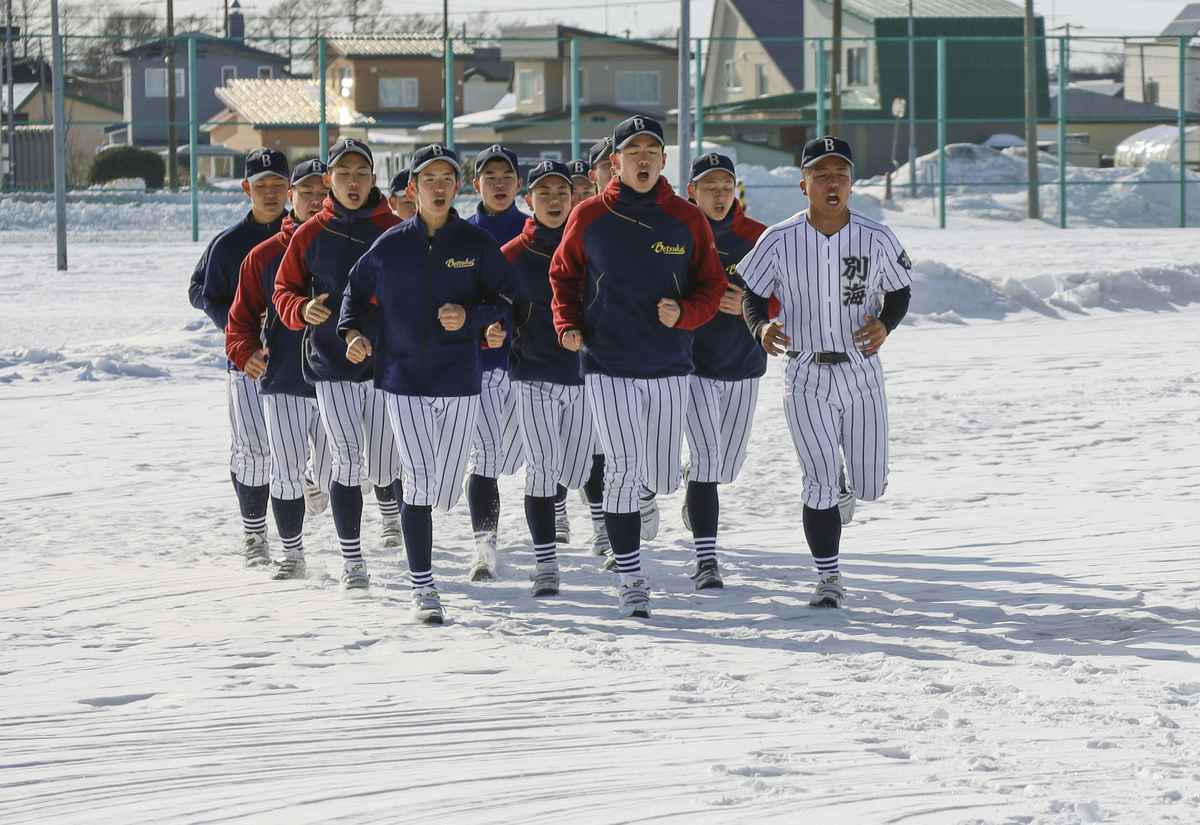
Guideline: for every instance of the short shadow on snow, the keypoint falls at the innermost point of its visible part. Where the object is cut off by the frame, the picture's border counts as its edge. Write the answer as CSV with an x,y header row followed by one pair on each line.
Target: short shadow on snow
x,y
921,606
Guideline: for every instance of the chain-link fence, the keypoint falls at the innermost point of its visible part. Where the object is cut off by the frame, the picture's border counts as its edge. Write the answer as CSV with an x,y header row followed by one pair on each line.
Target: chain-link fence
x,y
938,123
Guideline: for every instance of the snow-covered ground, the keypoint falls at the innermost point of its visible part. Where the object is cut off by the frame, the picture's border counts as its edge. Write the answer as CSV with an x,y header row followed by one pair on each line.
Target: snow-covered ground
x,y
1020,643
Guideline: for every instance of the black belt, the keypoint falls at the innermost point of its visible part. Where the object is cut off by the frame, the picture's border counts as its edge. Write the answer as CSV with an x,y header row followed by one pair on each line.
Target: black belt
x,y
824,357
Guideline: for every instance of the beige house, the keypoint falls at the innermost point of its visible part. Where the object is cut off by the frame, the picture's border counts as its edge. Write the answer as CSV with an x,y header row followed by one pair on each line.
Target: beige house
x,y
281,114
87,120
1152,65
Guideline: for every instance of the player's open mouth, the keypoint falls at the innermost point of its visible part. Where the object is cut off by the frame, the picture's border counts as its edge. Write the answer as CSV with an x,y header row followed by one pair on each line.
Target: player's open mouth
x,y
643,177
439,202
833,200
554,213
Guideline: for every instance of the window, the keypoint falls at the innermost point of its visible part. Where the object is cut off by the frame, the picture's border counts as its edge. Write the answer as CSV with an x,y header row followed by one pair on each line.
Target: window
x,y
346,81
398,92
550,154
638,88
265,73
761,84
857,67
228,73
525,85
156,83
733,80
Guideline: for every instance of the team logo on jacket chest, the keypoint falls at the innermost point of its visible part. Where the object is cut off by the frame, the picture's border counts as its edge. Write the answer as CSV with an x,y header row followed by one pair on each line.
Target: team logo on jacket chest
x,y
460,263
668,248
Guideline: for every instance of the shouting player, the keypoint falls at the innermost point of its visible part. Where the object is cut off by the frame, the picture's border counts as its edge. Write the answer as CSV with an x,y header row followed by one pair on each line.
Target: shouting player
x,y
844,283
636,271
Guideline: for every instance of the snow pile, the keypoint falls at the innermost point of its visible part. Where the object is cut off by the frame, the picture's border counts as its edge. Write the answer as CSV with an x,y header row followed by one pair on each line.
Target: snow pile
x,y
120,185
982,182
106,210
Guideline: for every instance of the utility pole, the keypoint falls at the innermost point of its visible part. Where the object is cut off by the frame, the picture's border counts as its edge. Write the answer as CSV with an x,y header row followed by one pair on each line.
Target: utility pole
x,y
1031,147
912,105
172,177
683,121
9,178
227,19
60,142
835,109
449,102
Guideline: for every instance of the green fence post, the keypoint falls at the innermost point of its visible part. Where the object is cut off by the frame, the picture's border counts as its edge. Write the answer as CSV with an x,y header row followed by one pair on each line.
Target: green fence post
x,y
193,139
820,87
323,128
699,118
1063,63
449,94
1183,56
576,115
941,130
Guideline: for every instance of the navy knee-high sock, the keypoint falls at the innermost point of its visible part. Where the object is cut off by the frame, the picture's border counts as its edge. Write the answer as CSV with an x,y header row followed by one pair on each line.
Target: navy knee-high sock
x,y
483,500
389,505
252,501
417,523
823,531
539,513
703,506
594,488
289,523
625,533
346,504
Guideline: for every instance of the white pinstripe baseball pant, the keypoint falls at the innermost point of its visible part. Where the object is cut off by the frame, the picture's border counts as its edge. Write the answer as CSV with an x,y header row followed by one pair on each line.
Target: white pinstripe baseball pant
x,y
434,436
832,405
360,437
249,452
298,442
640,425
720,416
496,447
556,431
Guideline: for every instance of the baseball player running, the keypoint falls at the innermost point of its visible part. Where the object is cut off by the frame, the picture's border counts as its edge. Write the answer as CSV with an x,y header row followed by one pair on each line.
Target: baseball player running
x,y
636,271
268,352
398,200
211,289
582,187
315,269
438,282
844,283
496,445
556,428
723,390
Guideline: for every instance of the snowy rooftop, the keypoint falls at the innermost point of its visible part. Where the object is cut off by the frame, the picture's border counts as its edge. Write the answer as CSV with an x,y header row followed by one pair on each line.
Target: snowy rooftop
x,y
393,46
286,103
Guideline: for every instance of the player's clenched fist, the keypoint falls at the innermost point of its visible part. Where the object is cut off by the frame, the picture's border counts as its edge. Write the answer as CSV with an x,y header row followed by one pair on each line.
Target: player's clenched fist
x,y
669,312
314,310
358,347
256,364
495,335
870,337
731,301
773,340
572,340
452,316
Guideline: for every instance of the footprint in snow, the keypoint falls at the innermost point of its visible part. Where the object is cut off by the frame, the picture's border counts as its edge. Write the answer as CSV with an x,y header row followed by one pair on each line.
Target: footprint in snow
x,y
115,701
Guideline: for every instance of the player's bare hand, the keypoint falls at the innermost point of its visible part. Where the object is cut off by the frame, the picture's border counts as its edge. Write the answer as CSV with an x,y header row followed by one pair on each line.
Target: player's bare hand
x,y
871,337
773,340
358,347
452,316
256,364
572,339
669,312
495,335
731,301
314,310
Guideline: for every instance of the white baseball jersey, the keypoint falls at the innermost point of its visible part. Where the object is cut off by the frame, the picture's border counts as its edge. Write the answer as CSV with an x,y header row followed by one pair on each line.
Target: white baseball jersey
x,y
826,285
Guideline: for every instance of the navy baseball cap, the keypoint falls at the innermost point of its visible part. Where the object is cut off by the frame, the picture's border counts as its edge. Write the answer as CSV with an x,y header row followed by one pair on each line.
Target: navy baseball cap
x,y
712,162
824,147
350,146
400,182
263,162
548,168
494,152
432,154
579,168
600,152
634,126
306,169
